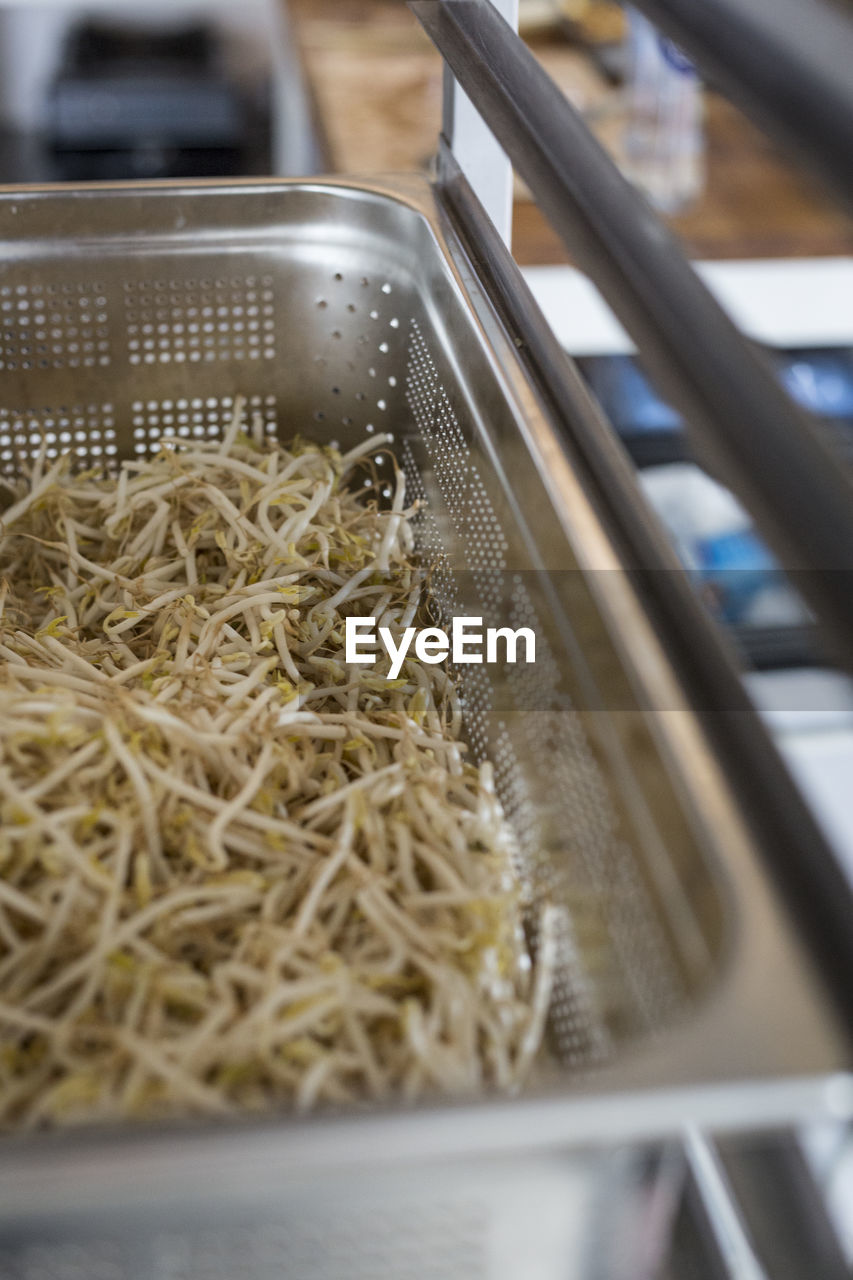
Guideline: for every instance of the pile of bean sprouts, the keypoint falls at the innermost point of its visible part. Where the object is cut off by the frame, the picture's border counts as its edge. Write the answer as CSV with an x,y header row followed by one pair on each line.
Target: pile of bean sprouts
x,y
236,873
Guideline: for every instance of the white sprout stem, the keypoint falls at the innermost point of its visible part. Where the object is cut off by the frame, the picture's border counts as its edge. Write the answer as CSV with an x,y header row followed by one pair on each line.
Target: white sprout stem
x,y
545,969
392,524
240,801
41,485
147,804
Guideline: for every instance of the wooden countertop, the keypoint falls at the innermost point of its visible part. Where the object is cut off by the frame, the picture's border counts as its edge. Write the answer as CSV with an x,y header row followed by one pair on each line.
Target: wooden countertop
x,y
377,85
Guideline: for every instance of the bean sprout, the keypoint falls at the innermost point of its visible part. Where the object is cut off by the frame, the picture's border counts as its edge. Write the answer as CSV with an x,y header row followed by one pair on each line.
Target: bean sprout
x,y
235,872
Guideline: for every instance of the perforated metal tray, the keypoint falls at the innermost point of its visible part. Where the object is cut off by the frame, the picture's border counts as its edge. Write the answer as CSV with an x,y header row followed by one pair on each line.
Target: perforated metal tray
x,y
341,309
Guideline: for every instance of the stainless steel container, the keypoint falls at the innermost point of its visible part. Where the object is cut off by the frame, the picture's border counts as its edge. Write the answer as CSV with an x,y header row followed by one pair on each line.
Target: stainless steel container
x,y
685,993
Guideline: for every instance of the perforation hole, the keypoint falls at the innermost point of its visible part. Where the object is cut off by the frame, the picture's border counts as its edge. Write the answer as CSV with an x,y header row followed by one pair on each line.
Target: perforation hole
x,y
67,329
196,419
200,321
85,431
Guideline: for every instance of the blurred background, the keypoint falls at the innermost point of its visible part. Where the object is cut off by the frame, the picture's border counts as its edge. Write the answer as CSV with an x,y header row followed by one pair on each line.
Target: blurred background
x,y
116,90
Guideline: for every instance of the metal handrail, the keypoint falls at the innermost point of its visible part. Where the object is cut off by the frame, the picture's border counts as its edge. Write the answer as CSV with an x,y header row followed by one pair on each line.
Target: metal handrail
x,y
739,418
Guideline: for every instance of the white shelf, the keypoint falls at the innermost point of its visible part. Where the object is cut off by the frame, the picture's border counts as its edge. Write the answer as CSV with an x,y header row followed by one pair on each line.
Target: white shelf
x,y
782,302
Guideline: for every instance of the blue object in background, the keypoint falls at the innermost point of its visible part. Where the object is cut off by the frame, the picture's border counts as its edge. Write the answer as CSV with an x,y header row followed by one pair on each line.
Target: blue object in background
x,y
819,379
627,396
740,569
736,575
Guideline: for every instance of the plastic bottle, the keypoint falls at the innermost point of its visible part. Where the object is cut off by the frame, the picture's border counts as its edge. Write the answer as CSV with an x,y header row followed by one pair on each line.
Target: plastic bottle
x,y
665,137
